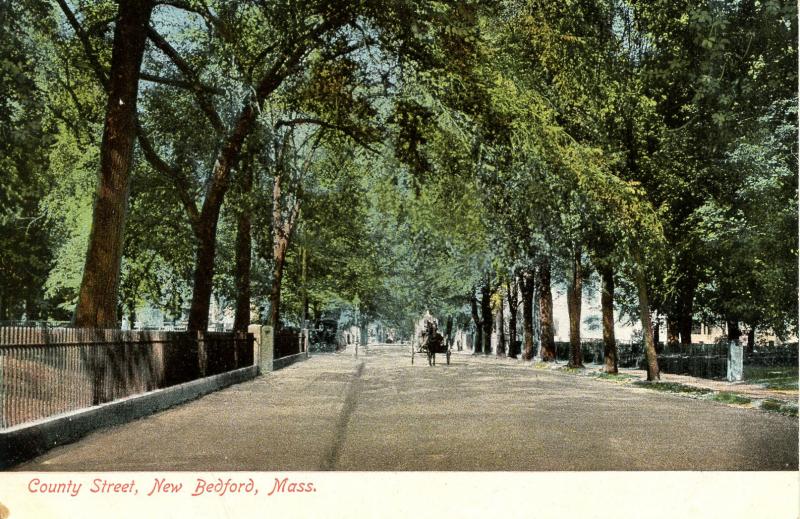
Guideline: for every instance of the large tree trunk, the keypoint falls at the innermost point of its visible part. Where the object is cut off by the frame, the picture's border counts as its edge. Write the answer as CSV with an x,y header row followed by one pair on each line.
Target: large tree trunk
x,y
486,314
574,297
206,225
97,299
647,326
206,234
477,343
548,343
686,306
513,303
673,330
243,253
304,276
279,258
500,325
657,331
526,287
282,231
611,359
734,332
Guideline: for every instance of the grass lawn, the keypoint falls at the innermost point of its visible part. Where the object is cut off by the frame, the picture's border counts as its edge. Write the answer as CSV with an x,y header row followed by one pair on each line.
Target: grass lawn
x,y
779,407
673,387
731,398
784,377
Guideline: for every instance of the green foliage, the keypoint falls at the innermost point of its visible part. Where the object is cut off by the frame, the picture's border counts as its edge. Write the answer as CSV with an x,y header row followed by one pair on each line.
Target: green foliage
x,y
428,144
778,406
730,398
673,387
25,251
772,377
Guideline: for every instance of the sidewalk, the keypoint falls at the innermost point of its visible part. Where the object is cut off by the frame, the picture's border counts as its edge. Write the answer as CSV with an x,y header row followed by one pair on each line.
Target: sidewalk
x,y
630,375
753,391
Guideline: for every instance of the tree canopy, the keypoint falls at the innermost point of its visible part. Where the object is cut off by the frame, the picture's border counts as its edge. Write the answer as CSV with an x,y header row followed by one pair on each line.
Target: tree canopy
x,y
299,158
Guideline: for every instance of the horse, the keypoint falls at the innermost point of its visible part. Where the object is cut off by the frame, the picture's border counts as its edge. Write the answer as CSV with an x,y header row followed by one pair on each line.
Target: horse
x,y
432,343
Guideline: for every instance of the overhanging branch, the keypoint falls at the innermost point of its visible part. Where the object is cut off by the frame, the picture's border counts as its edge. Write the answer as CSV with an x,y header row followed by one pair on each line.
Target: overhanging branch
x,y
325,124
179,83
179,180
196,86
88,49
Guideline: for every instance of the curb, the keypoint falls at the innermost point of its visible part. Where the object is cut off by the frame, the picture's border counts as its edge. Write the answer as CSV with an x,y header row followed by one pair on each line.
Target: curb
x,y
289,360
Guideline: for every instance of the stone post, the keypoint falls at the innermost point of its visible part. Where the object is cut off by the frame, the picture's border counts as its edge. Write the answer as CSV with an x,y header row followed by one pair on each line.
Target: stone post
x,y
304,341
264,346
735,361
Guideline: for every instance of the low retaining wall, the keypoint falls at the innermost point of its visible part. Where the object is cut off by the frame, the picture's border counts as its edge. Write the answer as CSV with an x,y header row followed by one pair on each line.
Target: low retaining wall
x,y
288,360
27,441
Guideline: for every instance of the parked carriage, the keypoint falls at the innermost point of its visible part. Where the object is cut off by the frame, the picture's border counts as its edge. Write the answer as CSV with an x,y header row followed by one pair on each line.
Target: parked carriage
x,y
430,342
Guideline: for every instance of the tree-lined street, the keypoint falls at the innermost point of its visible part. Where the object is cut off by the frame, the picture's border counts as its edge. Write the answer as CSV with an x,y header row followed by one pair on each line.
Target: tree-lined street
x,y
182,178
378,412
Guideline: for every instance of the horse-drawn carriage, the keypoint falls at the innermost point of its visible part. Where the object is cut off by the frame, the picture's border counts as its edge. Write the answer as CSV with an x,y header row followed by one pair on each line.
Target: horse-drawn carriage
x,y
430,342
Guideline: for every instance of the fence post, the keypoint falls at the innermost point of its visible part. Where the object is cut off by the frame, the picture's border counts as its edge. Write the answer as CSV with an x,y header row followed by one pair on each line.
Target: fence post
x,y
202,353
3,390
264,346
735,361
304,341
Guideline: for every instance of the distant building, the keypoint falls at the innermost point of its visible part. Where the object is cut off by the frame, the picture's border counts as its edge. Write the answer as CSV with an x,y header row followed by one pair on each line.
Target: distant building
x,y
591,326
591,320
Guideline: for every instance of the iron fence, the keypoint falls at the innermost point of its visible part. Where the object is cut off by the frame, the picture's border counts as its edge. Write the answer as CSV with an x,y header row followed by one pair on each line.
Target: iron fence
x,y
591,350
46,371
694,364
704,360
775,355
287,342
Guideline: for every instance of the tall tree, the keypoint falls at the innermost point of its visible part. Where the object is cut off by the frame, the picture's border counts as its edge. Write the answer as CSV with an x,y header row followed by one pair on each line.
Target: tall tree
x,y
574,302
97,300
610,355
500,324
512,293
244,246
548,346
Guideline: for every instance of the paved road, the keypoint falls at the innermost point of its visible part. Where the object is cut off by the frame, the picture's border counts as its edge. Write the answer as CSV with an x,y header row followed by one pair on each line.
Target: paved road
x,y
378,412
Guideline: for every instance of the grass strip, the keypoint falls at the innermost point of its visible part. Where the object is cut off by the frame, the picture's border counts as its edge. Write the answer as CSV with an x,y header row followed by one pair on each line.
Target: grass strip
x,y
673,387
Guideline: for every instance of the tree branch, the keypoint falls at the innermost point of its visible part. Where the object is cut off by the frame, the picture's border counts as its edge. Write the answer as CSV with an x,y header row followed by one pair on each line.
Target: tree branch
x,y
88,49
269,82
293,214
331,126
179,83
186,6
180,181
201,95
